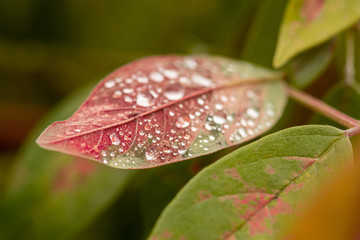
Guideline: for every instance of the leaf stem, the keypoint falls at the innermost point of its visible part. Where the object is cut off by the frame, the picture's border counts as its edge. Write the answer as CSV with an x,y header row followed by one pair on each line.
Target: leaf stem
x,y
353,131
350,58
321,107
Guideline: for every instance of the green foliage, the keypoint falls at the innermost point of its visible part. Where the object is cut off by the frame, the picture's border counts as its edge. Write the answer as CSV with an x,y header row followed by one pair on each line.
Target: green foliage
x,y
49,48
254,191
52,195
307,23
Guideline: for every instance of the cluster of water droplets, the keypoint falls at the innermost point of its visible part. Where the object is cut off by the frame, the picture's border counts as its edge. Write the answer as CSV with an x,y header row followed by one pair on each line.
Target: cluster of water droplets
x,y
196,125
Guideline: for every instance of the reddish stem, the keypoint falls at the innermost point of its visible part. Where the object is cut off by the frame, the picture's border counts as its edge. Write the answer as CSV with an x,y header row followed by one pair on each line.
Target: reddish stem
x,y
326,110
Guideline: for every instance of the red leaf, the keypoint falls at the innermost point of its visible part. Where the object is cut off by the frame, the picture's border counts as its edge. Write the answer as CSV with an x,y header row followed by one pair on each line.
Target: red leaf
x,y
160,110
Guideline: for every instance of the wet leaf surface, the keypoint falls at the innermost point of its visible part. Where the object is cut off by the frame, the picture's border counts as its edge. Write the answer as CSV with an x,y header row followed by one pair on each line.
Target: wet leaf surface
x,y
160,110
51,195
307,23
257,191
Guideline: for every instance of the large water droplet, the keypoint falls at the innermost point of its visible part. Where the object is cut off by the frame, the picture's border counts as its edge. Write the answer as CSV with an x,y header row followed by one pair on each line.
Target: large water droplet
x,y
253,113
201,80
150,154
156,77
218,119
190,63
172,74
145,99
174,92
109,84
114,138
183,122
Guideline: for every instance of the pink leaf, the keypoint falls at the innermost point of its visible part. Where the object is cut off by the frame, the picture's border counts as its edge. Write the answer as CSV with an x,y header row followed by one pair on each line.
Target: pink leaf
x,y
160,110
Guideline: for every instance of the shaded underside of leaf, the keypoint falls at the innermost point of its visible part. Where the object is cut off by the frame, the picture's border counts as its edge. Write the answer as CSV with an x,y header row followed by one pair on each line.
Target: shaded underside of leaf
x,y
255,191
160,110
310,22
51,195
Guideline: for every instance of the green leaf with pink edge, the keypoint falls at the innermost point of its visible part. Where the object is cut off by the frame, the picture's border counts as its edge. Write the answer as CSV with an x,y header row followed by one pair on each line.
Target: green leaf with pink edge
x,y
51,195
257,191
165,109
307,23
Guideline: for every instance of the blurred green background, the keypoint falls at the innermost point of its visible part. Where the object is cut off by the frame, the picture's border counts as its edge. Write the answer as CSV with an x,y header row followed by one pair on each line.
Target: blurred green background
x,y
50,48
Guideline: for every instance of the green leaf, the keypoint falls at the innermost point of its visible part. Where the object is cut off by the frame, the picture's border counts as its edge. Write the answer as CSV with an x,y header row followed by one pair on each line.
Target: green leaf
x,y
310,22
259,45
308,66
255,191
52,195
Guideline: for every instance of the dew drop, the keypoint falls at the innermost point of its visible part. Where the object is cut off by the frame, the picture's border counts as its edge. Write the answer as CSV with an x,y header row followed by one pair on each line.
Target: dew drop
x,y
190,63
174,92
109,84
128,90
142,79
117,94
200,101
182,122
105,161
150,155
145,99
218,106
156,77
212,138
171,113
114,138
219,119
128,99
253,113
172,74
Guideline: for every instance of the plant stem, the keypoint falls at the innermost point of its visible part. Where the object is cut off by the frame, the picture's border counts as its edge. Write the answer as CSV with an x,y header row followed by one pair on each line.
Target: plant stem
x,y
352,131
319,106
350,58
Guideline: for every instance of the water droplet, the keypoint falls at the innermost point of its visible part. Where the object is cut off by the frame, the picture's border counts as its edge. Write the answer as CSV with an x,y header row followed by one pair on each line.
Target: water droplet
x,y
128,99
171,113
150,155
253,113
190,63
117,94
109,84
103,153
156,77
224,98
174,92
242,132
212,138
142,79
128,90
184,80
218,106
142,133
128,80
114,138
105,161
183,122
194,129
182,151
145,99
250,123
230,118
201,80
200,101
172,74
219,119
191,116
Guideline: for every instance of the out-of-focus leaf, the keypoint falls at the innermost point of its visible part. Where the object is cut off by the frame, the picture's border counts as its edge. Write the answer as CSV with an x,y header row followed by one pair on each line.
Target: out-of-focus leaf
x,y
310,22
343,97
256,191
51,195
335,214
309,65
160,110
260,43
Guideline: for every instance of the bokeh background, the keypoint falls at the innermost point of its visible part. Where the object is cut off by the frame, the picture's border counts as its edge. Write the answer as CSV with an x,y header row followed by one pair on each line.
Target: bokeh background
x,y
48,49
